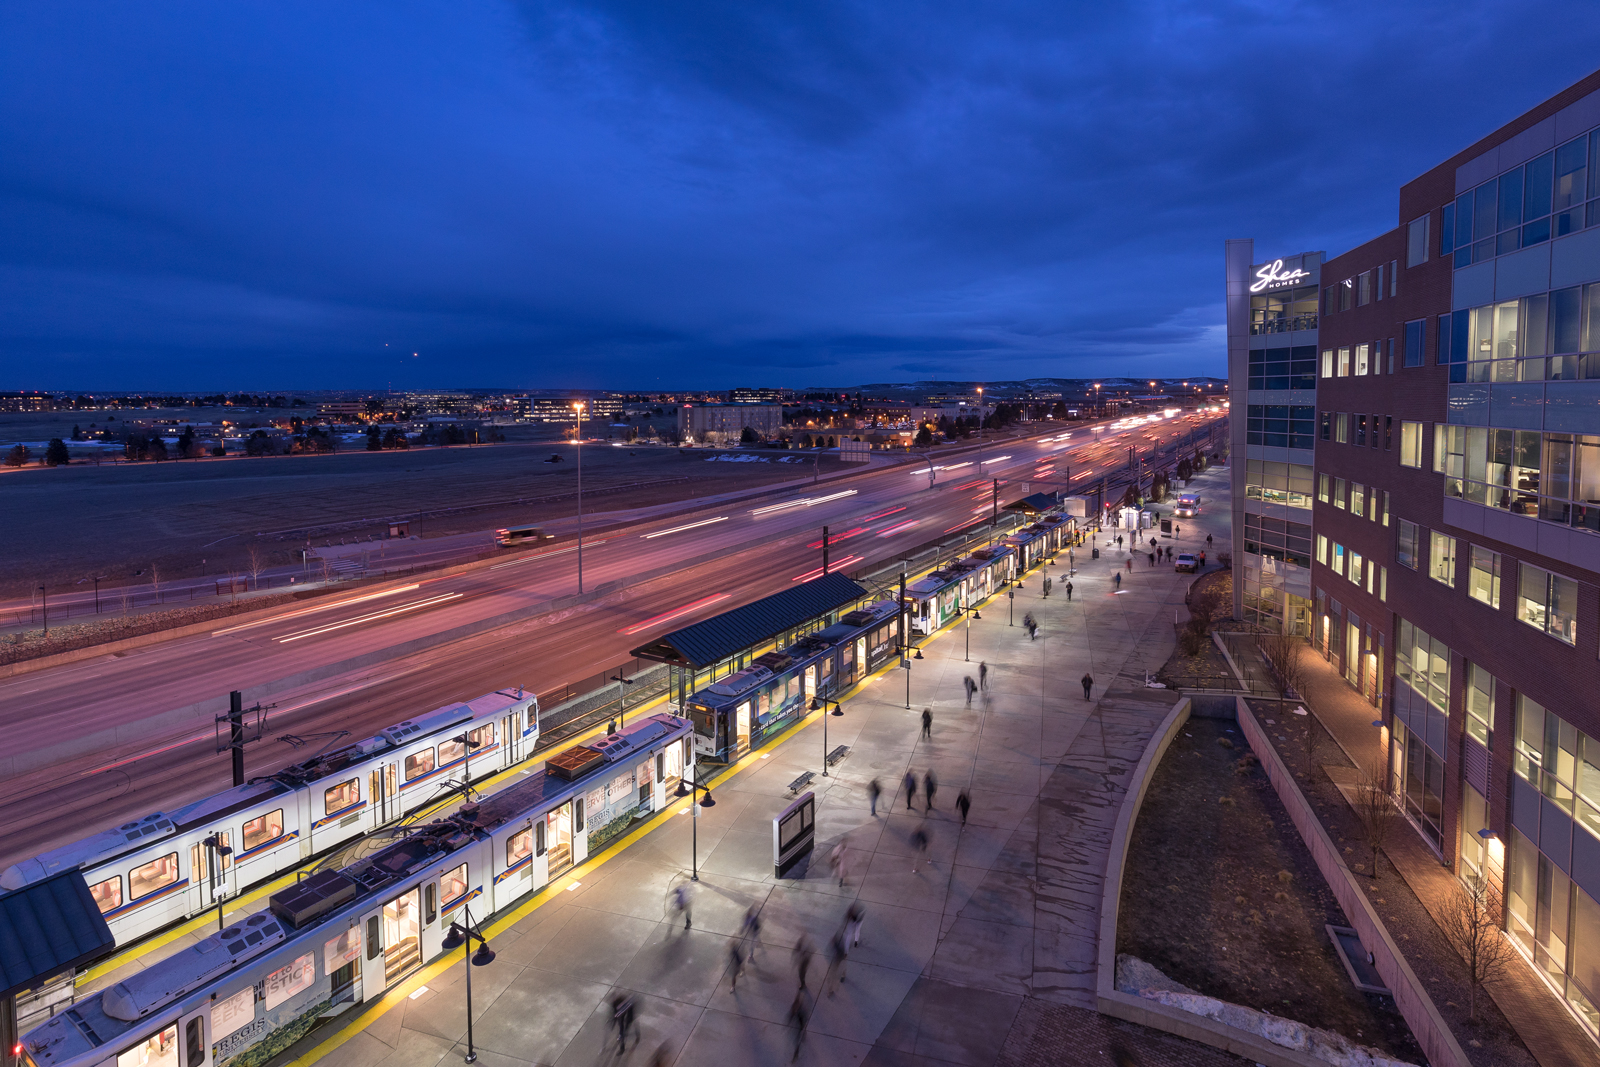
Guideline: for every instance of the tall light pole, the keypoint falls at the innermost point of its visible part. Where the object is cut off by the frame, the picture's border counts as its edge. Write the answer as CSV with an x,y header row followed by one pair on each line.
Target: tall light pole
x,y
216,857
463,934
980,429
688,789
821,704
44,602
578,407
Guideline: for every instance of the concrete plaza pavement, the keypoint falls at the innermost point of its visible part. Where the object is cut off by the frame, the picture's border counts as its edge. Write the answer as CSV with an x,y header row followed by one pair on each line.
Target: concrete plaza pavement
x,y
985,955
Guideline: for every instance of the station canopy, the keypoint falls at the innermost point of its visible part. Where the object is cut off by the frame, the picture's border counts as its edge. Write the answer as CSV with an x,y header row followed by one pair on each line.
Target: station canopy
x,y
49,928
1036,504
708,643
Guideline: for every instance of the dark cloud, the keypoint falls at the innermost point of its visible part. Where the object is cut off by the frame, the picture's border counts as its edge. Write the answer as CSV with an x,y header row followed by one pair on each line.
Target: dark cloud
x,y
201,195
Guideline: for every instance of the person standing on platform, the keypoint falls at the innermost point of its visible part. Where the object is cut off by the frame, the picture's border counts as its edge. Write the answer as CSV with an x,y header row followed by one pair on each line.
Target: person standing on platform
x,y
983,676
927,718
930,786
963,802
967,684
1088,684
1069,591
911,791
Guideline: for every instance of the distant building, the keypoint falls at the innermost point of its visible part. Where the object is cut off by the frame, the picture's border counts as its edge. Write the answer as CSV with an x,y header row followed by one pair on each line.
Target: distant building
x,y
561,409
759,396
333,409
695,421
27,402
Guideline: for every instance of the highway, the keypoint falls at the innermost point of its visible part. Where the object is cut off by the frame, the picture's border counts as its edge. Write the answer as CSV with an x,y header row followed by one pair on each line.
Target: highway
x,y
130,762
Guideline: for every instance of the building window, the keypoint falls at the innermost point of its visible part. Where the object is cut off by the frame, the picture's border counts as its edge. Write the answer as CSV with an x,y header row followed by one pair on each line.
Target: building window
x,y
1423,663
1379,286
1562,762
1410,444
1344,363
1405,552
1386,507
1338,558
1280,425
1480,703
1322,488
1353,566
1442,558
1338,492
1358,500
1361,431
1388,432
1327,425
1322,549
1364,288
1417,241
1287,484
1548,602
1341,427
1347,290
1484,581
1327,363
1330,300
1414,341
1363,360
1394,275
1283,368
1383,583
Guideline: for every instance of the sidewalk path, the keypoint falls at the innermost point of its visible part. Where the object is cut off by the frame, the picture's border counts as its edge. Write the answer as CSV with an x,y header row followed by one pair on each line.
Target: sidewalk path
x,y
983,955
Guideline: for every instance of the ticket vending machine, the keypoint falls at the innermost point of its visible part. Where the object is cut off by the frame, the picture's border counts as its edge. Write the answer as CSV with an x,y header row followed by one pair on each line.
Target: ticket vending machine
x,y
794,834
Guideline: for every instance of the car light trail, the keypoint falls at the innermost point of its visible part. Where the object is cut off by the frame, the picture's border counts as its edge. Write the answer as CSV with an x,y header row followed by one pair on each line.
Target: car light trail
x,y
964,525
836,538
971,484
832,567
545,555
416,605
680,529
883,514
953,466
319,607
901,528
675,613
803,502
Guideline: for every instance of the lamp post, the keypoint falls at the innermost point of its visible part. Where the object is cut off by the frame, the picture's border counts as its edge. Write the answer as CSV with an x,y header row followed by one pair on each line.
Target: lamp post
x,y
216,852
578,440
44,603
687,788
467,745
818,704
462,934
622,702
980,429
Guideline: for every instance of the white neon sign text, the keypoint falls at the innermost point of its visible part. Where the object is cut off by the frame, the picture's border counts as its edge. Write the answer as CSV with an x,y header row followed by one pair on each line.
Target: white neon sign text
x,y
1271,276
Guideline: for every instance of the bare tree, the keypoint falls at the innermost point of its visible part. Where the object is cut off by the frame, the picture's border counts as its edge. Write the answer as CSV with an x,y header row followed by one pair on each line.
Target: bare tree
x,y
1375,811
1470,920
257,564
155,581
1282,653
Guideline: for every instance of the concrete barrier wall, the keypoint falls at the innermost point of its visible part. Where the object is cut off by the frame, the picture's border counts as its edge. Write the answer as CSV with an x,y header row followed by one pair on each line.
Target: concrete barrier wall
x,y
1410,996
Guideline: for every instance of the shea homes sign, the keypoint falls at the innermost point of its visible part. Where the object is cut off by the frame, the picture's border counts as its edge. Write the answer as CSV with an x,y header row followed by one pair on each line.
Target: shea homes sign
x,y
1273,276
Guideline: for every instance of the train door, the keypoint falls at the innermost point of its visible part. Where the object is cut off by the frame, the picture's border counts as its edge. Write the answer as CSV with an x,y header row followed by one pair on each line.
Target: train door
x,y
808,682
658,797
402,936
373,981
741,726
211,872
383,786
193,1039
861,657
558,838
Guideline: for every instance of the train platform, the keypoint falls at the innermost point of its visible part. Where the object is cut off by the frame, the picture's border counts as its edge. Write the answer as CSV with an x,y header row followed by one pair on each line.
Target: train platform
x,y
980,952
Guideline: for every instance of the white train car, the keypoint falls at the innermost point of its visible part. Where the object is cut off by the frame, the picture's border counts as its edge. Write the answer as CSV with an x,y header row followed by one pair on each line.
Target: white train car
x,y
340,937
148,874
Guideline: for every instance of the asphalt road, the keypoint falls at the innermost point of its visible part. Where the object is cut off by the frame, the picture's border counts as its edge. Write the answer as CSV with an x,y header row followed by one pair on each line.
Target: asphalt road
x,y
763,547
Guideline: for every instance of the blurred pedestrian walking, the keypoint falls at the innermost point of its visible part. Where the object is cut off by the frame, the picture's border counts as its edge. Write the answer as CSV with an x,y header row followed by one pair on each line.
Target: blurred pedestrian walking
x,y
1152,560
1088,684
852,919
839,860
802,957
735,964
681,901
1069,591
797,1019
1118,579
983,675
919,841
874,791
963,802
930,786
750,929
911,790
838,956
970,686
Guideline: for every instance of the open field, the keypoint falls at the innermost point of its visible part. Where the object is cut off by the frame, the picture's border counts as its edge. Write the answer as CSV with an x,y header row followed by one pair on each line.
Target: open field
x,y
189,518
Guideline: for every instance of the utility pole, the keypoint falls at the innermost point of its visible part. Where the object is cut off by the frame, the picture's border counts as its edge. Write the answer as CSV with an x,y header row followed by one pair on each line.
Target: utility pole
x,y
236,734
994,506
44,602
578,407
824,551
905,639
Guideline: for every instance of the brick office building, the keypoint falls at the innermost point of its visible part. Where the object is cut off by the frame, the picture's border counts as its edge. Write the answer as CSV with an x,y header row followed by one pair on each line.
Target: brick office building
x,y
1456,571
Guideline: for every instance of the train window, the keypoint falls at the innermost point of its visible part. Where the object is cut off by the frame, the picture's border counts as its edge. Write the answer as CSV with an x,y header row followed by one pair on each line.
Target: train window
x,y
482,737
518,847
827,669
419,764
374,942
453,885
450,751
157,874
161,1050
430,904
262,829
538,838
577,815
107,894
341,796
194,1042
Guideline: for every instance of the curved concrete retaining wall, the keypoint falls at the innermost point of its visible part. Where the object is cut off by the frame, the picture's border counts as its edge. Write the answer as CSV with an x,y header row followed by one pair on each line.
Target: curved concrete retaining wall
x,y
1427,1025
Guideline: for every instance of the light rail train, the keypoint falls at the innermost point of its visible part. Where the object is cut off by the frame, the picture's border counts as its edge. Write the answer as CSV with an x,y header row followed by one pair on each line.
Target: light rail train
x,y
154,871
344,935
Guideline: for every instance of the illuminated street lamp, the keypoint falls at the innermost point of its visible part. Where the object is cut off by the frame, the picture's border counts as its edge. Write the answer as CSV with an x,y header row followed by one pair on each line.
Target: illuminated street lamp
x,y
578,407
464,933
818,704
687,789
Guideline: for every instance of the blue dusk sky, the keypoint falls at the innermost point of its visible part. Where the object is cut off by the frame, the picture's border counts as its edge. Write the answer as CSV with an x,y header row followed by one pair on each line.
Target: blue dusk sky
x,y
649,195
